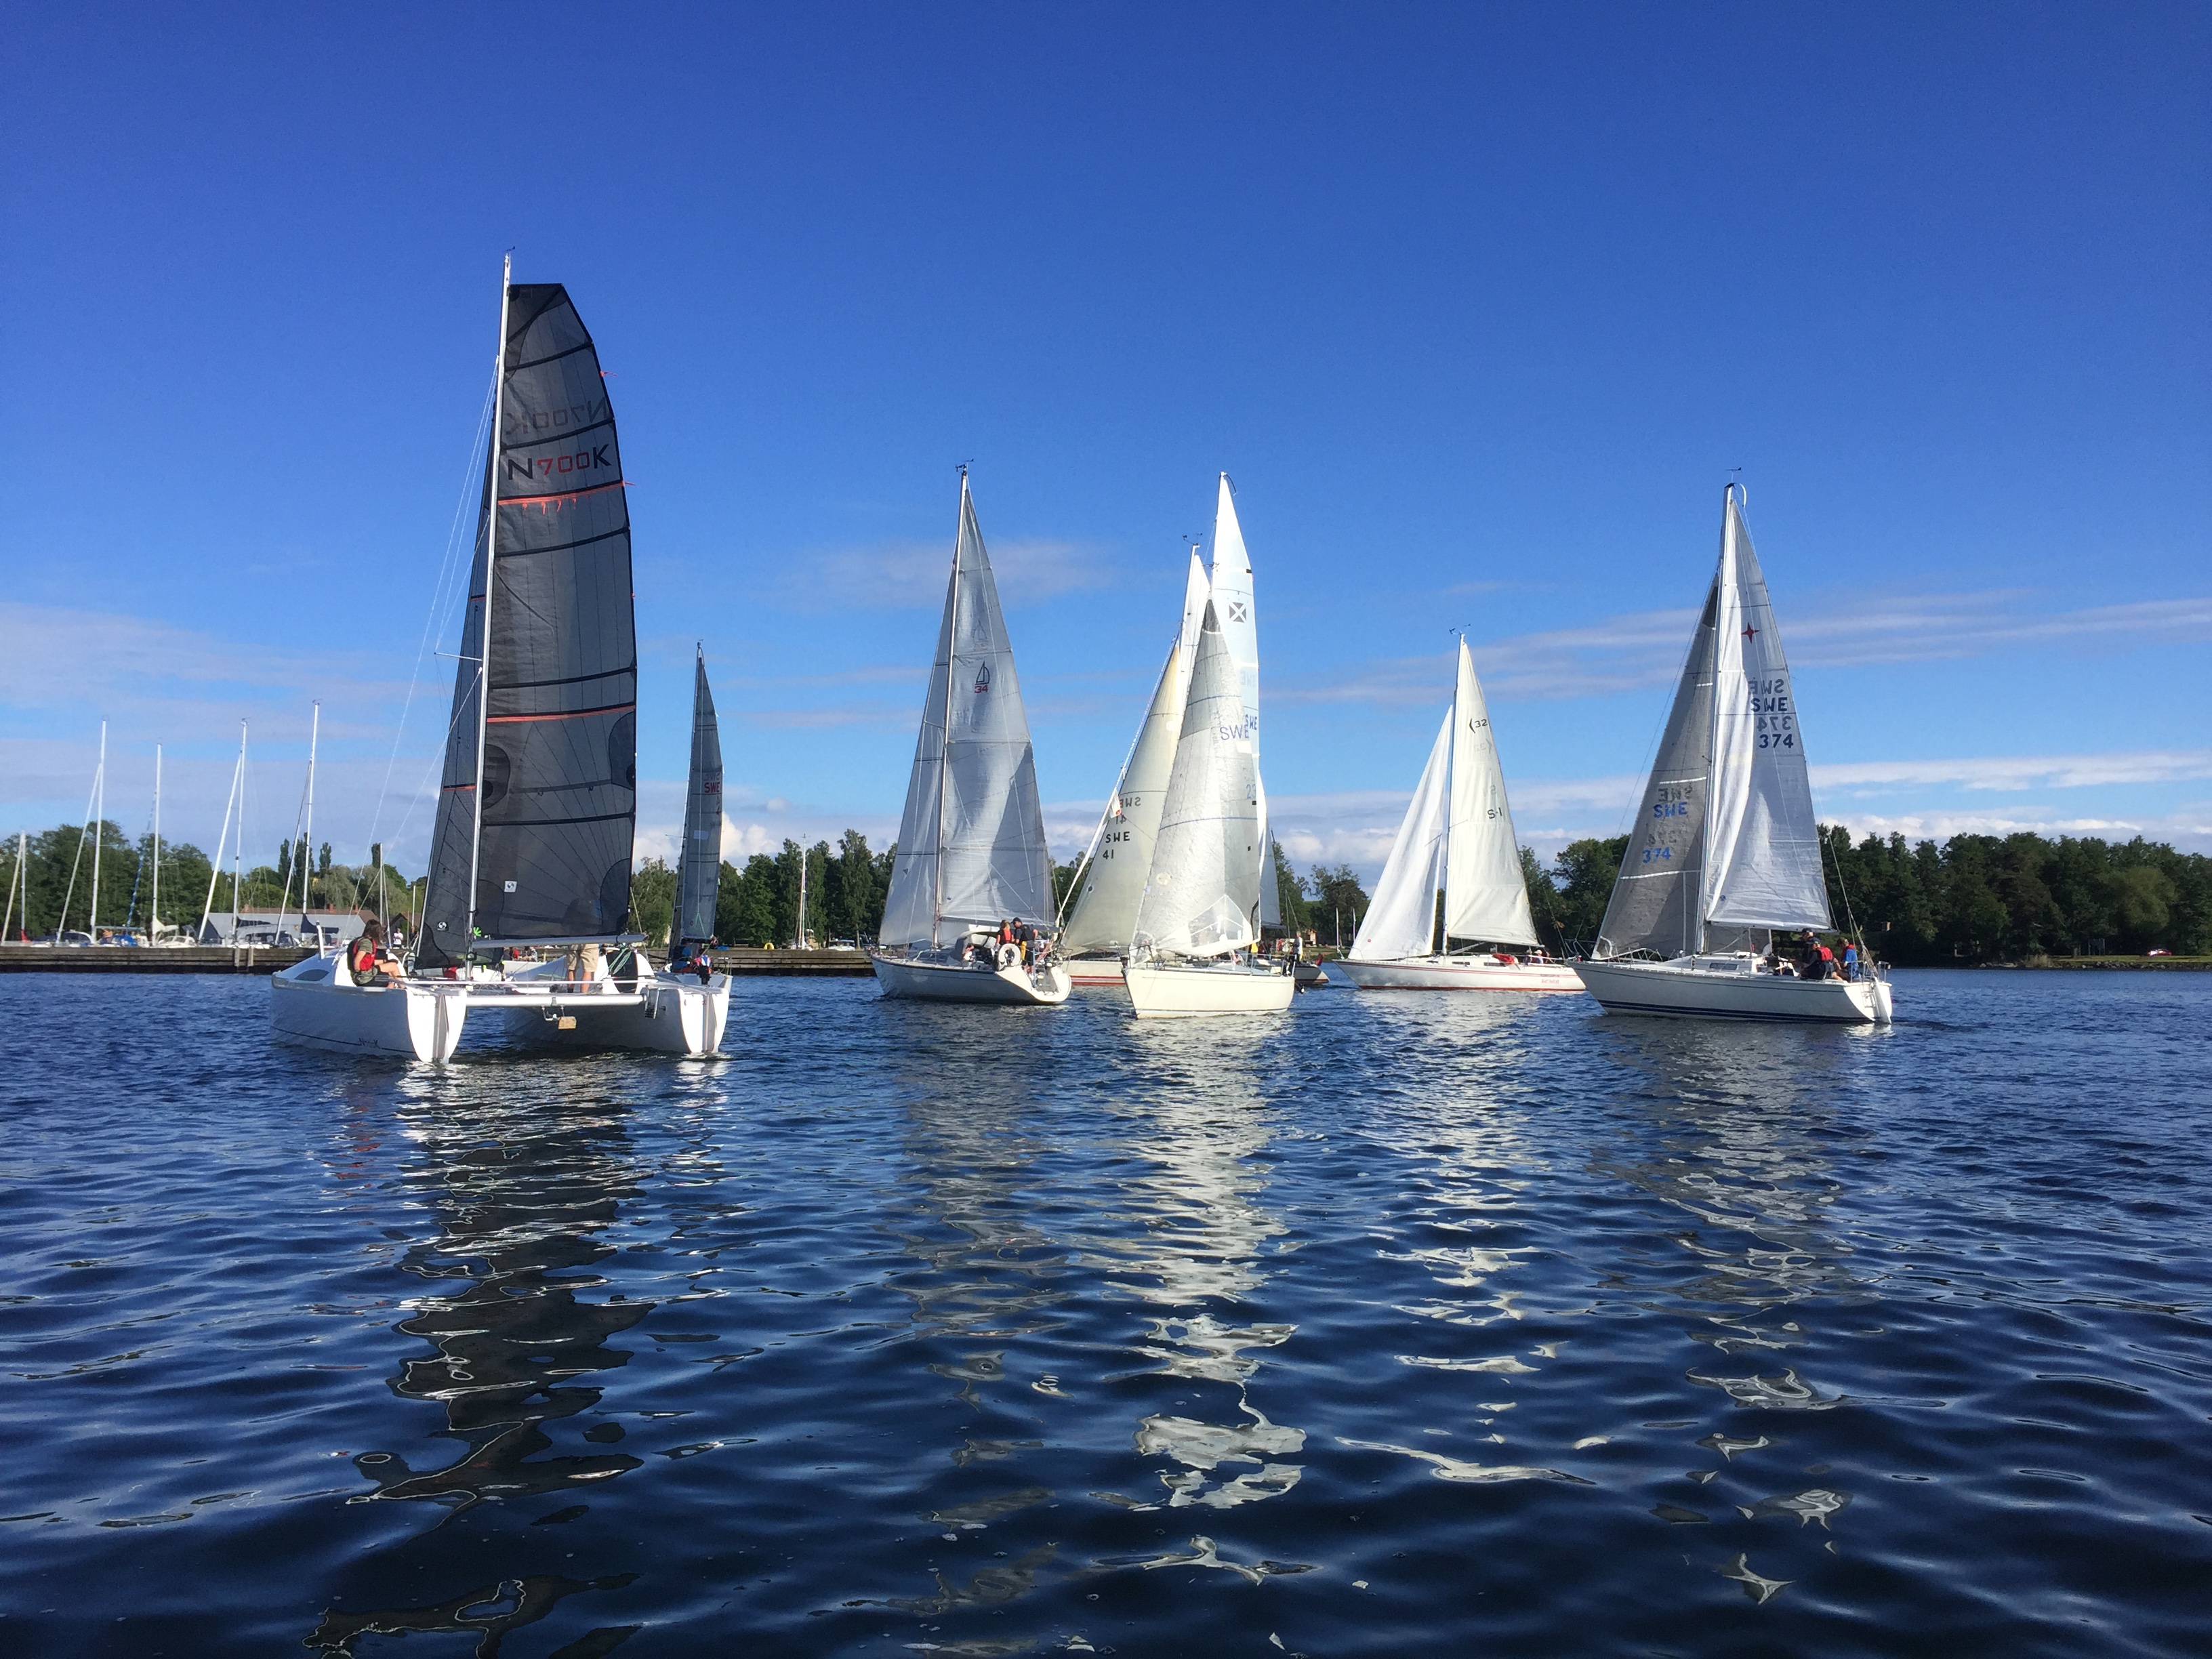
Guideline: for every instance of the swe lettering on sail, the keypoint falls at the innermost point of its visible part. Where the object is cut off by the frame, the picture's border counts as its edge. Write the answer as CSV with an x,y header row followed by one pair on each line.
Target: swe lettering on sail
x,y
1772,719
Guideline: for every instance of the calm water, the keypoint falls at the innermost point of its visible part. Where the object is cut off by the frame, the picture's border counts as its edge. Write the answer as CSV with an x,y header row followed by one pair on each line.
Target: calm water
x,y
1412,1323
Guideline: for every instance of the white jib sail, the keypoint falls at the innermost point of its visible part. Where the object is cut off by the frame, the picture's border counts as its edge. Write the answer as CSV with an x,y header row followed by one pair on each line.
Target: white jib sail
x,y
971,848
1105,912
1765,851
1205,865
1486,894
1401,922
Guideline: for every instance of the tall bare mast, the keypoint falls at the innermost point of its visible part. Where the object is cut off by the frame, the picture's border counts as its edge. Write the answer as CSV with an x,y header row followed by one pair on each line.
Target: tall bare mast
x,y
154,926
308,871
491,581
215,869
99,829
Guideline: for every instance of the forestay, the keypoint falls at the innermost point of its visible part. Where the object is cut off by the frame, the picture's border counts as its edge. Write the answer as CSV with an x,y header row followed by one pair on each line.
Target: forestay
x,y
546,695
1485,894
1105,912
1205,865
1764,845
700,867
1401,921
971,848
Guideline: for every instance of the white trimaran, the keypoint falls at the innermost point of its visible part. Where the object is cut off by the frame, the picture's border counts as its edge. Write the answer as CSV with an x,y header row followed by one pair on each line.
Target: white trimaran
x,y
1203,906
971,846
1457,836
1726,850
536,815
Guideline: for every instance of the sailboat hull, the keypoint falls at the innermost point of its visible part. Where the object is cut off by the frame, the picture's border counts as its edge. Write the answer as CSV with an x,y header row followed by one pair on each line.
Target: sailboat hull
x,y
667,1015
1185,991
1484,973
955,982
316,1004
1732,987
1093,970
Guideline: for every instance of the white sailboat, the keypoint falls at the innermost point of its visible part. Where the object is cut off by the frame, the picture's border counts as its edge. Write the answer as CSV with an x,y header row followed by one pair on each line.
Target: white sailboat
x,y
536,815
971,846
1199,916
1726,851
1110,882
1457,837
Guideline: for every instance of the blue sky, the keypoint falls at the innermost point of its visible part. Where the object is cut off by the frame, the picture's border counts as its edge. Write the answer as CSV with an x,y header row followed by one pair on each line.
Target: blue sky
x,y
1479,308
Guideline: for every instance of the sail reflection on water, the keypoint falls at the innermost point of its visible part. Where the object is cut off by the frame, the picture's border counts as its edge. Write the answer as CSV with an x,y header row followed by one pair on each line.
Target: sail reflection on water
x,y
525,1191
1198,1236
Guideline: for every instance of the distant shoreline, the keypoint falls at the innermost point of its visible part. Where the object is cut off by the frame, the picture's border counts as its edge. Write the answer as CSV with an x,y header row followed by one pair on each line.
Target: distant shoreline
x,y
2182,964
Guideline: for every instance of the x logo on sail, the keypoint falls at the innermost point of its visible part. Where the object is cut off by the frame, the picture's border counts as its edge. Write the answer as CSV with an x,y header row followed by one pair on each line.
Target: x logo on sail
x,y
1237,611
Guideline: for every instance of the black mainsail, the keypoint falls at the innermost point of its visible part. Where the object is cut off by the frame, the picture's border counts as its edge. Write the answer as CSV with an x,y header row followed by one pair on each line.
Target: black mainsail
x,y
700,869
538,807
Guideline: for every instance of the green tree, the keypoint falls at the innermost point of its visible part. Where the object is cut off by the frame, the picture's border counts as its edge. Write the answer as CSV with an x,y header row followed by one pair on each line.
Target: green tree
x,y
1338,904
1583,875
1289,893
653,901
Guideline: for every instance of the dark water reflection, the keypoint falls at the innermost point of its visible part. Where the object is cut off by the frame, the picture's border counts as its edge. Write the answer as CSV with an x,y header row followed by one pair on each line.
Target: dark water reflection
x,y
1415,1323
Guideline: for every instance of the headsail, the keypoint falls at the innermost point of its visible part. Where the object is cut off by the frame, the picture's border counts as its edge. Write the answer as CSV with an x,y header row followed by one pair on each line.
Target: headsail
x,y
1105,910
1401,922
1766,848
1204,877
544,708
700,877
1486,894
971,847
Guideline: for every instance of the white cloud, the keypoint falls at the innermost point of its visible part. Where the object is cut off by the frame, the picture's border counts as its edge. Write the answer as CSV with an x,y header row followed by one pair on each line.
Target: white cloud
x,y
2020,772
1645,648
910,575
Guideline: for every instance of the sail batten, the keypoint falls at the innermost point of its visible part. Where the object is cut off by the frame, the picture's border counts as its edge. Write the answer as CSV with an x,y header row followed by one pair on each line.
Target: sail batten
x,y
544,702
971,848
700,868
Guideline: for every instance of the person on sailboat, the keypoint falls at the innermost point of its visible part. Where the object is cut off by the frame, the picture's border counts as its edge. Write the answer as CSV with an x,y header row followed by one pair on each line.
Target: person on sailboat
x,y
365,960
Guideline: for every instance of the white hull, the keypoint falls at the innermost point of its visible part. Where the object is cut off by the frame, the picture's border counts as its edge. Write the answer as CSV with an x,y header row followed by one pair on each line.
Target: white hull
x,y
1484,973
316,1004
1092,970
1182,991
954,982
1730,988
666,1015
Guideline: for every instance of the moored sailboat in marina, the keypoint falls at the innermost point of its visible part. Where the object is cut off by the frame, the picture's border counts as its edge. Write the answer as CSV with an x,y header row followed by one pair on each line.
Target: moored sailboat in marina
x,y
536,811
1726,851
971,846
1458,837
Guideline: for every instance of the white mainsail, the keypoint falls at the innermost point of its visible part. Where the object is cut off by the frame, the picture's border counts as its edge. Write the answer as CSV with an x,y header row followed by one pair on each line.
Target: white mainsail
x,y
1205,879
1105,911
971,847
1401,922
1765,848
1485,894
1238,616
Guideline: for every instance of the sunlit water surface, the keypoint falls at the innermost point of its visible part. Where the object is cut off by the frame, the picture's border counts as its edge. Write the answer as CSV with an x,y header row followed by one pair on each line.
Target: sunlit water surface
x,y
1411,1323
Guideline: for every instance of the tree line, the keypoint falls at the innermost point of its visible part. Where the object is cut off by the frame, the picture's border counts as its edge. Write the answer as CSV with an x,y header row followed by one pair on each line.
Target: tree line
x,y
1969,899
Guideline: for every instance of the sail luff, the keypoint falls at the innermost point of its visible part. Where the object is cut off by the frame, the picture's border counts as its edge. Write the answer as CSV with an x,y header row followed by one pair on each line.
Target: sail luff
x,y
1402,919
912,906
1486,894
700,869
491,564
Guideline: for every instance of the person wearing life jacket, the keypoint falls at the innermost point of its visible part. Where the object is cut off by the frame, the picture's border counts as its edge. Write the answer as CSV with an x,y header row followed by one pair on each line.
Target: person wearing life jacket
x,y
364,960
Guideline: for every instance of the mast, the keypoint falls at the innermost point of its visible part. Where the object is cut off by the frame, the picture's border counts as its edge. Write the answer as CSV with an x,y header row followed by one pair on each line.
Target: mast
x,y
944,747
154,930
491,581
99,829
1451,788
215,869
238,847
307,874
1696,921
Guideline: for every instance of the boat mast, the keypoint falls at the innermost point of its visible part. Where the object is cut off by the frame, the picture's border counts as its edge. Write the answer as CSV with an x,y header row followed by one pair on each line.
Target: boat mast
x,y
491,556
1712,739
238,847
944,747
154,928
99,830
1451,749
308,871
214,870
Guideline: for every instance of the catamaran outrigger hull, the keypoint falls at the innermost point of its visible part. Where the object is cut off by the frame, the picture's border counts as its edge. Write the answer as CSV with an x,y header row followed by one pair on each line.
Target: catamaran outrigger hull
x,y
314,1003
1181,991
1730,987
1459,973
955,982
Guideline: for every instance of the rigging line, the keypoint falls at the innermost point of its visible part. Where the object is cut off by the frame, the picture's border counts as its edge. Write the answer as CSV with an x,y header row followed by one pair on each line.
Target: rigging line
x,y
436,760
438,601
